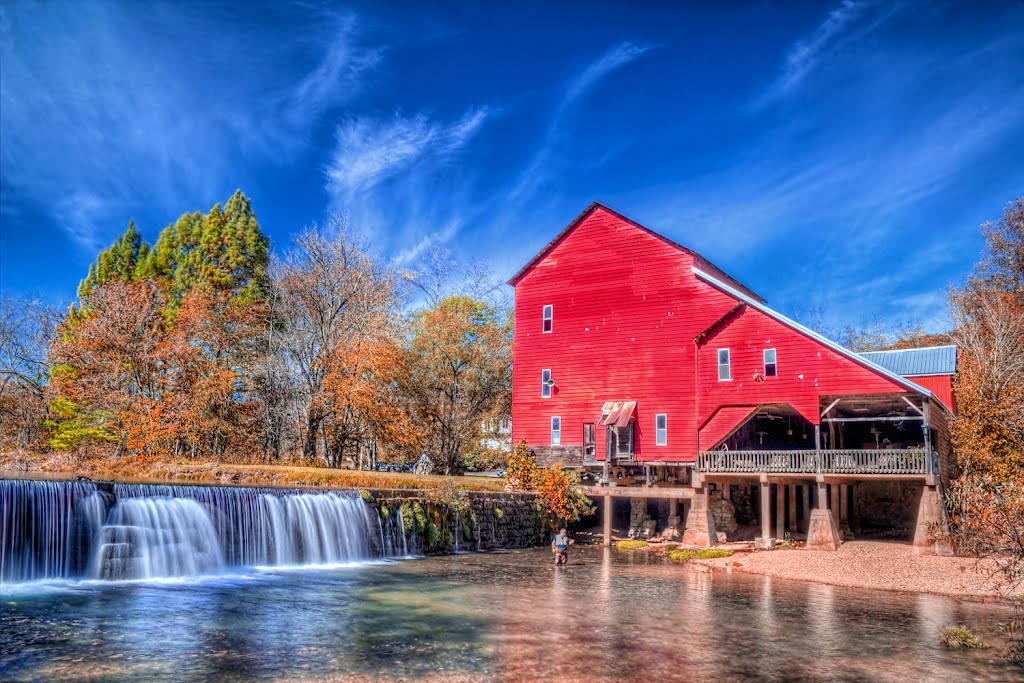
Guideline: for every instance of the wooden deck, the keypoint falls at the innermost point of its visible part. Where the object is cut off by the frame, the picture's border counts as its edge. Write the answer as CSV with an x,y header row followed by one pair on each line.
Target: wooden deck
x,y
909,461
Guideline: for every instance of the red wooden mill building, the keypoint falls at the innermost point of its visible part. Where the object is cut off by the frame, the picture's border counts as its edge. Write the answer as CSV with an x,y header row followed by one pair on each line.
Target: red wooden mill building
x,y
691,402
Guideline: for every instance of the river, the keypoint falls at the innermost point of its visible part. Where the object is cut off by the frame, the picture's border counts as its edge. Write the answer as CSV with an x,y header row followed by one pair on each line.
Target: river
x,y
498,616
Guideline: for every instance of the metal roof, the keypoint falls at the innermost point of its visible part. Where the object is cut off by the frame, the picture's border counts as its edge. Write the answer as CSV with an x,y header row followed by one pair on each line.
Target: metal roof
x,y
932,360
617,413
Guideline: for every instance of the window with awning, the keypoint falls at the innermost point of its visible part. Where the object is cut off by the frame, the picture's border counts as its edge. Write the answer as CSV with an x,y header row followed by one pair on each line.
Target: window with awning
x,y
617,413
617,418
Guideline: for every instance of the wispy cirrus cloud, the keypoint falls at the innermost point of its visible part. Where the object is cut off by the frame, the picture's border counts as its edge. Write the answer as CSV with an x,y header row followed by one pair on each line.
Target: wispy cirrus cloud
x,y
101,119
843,191
540,164
370,151
851,21
339,74
402,178
618,56
433,238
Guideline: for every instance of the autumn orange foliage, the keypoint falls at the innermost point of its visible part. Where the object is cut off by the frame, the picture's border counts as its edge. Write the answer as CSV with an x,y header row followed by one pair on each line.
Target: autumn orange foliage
x,y
166,391
987,500
558,490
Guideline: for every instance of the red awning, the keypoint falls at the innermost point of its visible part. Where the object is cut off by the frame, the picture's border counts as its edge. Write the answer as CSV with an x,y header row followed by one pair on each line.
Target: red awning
x,y
617,413
626,414
725,422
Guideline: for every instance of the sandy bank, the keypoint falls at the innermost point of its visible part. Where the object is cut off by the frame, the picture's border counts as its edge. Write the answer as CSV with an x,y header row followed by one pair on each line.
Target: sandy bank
x,y
872,564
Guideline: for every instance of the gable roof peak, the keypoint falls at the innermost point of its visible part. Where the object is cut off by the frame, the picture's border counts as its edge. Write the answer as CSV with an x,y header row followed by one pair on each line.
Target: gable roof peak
x,y
594,206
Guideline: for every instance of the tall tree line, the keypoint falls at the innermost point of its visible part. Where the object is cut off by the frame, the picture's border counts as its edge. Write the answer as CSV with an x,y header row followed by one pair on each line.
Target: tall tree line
x,y
204,346
987,499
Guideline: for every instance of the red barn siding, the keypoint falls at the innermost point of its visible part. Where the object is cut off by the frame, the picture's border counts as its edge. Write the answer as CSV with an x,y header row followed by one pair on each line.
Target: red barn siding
x,y
626,309
722,424
940,385
623,328
806,368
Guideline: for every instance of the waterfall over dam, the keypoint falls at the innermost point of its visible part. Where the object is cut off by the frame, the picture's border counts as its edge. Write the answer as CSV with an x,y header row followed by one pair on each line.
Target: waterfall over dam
x,y
86,530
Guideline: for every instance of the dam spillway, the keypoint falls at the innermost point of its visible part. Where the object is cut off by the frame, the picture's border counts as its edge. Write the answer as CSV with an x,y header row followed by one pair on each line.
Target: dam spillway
x,y
86,530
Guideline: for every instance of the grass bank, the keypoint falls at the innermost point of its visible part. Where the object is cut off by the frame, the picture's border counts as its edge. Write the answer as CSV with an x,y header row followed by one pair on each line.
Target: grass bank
x,y
213,473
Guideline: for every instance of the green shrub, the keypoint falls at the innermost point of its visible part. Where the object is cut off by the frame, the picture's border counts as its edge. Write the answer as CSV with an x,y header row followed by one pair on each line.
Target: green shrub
x,y
635,544
699,554
671,546
498,514
365,495
961,636
408,520
433,534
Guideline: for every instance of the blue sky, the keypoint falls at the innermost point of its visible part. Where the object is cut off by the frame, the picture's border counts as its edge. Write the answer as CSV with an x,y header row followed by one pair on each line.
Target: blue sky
x,y
838,157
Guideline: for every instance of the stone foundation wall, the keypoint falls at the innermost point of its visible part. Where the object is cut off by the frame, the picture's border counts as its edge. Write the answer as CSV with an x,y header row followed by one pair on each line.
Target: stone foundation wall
x,y
886,505
568,456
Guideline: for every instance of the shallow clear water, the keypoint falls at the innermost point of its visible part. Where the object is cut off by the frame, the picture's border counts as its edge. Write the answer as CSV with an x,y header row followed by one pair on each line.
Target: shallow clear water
x,y
502,616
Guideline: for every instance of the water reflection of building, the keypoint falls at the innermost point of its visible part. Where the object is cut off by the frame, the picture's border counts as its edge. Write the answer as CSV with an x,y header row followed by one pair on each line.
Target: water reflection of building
x,y
668,380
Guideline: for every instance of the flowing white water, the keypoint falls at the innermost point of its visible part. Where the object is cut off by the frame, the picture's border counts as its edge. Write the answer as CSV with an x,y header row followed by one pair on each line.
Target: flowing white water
x,y
77,530
147,538
38,529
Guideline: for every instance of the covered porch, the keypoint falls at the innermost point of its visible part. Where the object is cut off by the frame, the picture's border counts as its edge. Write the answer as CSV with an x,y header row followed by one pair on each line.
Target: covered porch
x,y
775,474
854,435
812,478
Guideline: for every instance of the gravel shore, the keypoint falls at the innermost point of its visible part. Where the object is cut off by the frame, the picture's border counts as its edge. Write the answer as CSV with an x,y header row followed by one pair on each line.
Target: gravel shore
x,y
871,564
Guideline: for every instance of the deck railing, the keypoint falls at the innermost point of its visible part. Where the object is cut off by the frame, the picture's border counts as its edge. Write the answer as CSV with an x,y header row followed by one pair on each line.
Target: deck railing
x,y
846,461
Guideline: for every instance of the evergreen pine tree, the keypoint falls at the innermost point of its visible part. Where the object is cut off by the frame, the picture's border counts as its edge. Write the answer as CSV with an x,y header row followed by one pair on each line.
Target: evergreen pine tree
x,y
223,249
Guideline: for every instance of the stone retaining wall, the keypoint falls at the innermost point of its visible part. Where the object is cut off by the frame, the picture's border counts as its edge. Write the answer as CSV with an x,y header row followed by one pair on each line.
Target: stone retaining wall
x,y
888,505
486,521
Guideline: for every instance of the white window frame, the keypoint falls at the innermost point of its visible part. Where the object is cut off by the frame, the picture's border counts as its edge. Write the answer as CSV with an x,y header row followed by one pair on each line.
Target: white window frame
x,y
545,386
727,365
548,317
661,433
556,434
775,362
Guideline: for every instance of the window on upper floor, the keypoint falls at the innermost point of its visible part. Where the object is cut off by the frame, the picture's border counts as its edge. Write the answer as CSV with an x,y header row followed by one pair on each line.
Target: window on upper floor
x,y
724,365
661,430
548,318
556,431
769,363
545,384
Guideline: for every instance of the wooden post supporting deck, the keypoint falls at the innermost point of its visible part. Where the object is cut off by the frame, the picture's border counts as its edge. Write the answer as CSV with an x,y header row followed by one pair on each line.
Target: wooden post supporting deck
x,y
926,426
607,519
854,512
791,497
805,505
780,511
766,540
844,512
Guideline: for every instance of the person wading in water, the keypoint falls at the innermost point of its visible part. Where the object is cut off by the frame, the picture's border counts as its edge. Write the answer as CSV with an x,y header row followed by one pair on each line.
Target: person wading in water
x,y
560,547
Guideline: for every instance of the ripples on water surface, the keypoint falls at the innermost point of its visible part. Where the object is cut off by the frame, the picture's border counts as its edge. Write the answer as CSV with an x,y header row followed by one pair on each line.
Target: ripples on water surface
x,y
482,617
